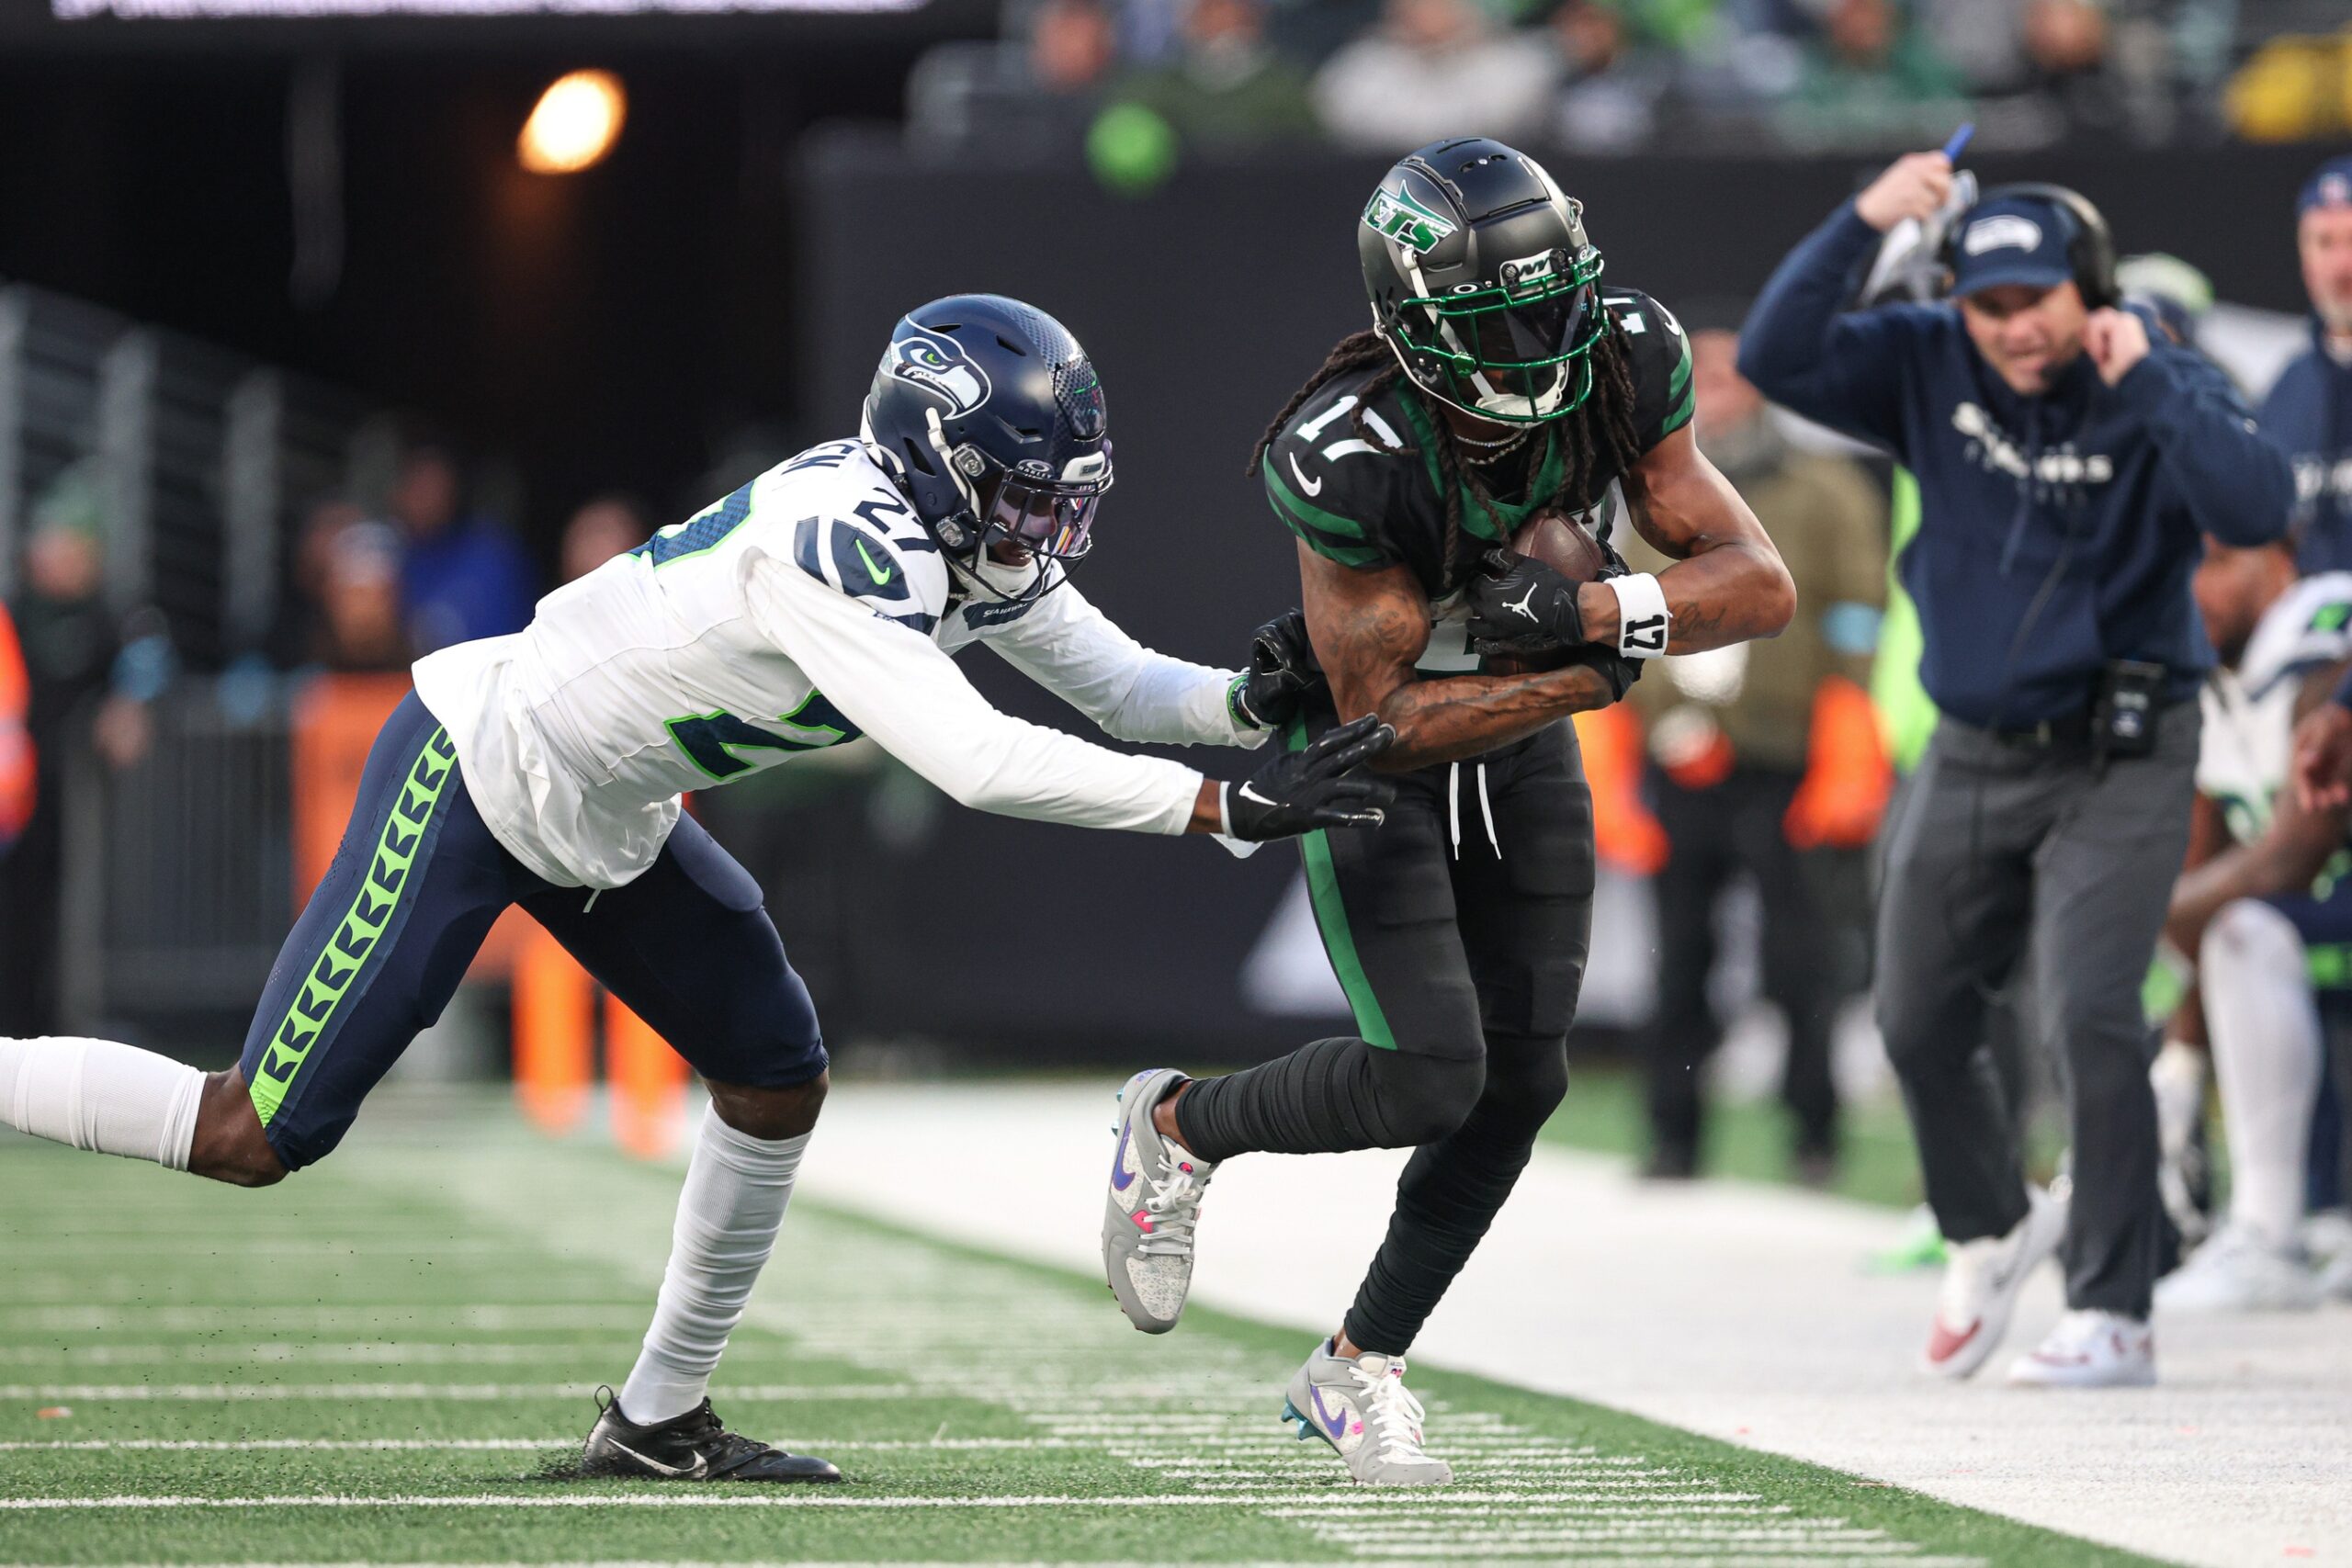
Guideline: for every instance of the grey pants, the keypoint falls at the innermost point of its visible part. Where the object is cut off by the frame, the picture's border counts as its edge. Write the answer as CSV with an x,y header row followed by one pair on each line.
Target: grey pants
x,y
2001,849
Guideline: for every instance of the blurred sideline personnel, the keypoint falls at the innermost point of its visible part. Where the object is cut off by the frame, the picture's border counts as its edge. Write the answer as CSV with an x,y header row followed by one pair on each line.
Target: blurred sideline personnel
x,y
462,578
544,769
2309,412
89,675
1499,380
19,783
2067,468
2264,912
1761,753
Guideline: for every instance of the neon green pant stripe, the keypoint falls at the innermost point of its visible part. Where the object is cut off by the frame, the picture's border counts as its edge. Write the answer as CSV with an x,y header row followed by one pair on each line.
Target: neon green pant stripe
x,y
1331,920
329,981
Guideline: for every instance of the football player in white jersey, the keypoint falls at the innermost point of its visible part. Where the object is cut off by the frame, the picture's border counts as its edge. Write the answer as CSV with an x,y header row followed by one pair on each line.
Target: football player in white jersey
x,y
2264,915
821,601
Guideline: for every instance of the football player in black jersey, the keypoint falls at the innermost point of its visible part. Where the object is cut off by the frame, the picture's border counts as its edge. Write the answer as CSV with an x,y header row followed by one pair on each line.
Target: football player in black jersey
x,y
1499,377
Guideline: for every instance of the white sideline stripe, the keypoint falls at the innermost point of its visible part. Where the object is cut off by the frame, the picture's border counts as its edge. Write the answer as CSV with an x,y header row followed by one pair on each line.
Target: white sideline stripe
x,y
664,1500
469,1445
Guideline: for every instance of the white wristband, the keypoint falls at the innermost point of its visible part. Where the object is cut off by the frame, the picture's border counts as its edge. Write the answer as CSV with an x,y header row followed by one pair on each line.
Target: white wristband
x,y
1642,617
1224,811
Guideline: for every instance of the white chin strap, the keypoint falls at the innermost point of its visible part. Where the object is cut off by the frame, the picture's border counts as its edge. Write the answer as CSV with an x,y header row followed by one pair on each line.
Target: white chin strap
x,y
938,434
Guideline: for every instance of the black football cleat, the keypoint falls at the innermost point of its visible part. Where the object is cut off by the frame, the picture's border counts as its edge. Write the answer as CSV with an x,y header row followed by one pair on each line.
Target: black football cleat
x,y
693,1446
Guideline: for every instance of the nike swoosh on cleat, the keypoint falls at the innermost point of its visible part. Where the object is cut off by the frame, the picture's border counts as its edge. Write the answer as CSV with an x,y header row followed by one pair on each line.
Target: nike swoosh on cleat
x,y
700,1468
1337,1424
1121,1177
1943,1344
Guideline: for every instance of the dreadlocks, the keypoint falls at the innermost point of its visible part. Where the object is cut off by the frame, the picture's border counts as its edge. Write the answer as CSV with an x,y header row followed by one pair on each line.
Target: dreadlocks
x,y
1598,436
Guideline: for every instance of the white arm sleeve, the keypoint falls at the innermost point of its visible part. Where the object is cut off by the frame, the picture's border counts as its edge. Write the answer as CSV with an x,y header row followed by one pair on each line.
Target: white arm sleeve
x,y
1074,651
897,685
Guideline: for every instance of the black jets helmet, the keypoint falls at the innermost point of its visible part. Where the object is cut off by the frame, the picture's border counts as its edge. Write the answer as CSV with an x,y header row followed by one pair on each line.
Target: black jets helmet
x,y
991,419
1482,281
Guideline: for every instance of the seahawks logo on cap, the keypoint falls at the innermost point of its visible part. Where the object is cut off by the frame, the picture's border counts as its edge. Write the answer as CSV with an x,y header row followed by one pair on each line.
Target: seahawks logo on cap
x,y
2000,232
940,362
1395,215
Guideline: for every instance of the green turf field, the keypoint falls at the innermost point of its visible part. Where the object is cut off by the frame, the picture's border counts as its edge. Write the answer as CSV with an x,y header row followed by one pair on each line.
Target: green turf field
x,y
383,1359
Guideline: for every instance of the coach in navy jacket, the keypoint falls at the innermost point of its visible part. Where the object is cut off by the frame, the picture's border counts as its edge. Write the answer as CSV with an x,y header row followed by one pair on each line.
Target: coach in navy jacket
x,y
2309,412
2067,470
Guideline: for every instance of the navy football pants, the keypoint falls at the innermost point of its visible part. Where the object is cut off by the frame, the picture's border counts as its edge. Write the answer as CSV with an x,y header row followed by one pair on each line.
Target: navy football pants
x,y
413,890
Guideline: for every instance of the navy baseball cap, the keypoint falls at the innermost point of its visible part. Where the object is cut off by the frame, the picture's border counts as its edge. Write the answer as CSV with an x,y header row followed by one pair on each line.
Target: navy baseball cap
x,y
2012,239
2330,186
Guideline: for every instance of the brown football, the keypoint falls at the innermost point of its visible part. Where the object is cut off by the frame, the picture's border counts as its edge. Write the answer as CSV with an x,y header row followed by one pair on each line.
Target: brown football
x,y
1555,538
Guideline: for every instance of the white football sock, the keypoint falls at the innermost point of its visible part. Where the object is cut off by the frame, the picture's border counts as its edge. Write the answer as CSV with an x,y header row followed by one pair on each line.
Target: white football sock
x,y
2178,1075
95,1094
728,1217
2265,1026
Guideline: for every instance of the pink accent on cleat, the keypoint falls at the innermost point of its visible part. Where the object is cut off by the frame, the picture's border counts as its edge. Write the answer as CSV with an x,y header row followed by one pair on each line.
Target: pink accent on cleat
x,y
1143,1221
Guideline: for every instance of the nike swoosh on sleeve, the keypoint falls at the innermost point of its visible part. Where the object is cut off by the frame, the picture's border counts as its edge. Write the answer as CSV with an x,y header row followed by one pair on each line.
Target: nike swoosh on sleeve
x,y
881,573
1312,487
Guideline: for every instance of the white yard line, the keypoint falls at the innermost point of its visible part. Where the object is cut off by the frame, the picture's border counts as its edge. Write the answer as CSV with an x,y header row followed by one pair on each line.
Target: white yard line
x,y
471,1445
787,1499
464,1393
307,1352
119,1317
1738,1312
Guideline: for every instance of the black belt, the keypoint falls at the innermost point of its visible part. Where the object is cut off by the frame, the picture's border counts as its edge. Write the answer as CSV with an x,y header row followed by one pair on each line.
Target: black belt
x,y
2070,730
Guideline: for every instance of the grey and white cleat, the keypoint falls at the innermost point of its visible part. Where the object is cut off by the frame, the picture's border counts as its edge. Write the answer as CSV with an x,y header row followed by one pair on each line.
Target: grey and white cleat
x,y
1154,1200
1361,1407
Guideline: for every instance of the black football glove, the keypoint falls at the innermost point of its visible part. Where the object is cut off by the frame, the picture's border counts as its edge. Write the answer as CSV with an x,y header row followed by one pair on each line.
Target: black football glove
x,y
1520,605
1298,792
1268,693
1614,667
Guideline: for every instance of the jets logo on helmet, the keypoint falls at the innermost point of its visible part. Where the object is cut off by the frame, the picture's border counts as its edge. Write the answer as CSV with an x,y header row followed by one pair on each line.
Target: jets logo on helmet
x,y
941,364
1395,215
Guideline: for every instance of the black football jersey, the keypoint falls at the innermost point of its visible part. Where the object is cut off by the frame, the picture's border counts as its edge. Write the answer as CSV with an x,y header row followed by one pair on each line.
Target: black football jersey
x,y
1363,506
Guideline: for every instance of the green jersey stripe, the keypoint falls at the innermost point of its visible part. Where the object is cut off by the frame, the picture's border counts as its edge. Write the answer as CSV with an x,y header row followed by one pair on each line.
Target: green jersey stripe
x,y
1331,920
390,877
1288,501
1679,417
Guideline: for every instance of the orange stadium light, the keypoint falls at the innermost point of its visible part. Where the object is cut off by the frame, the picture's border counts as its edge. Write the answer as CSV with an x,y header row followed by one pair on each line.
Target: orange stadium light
x,y
577,119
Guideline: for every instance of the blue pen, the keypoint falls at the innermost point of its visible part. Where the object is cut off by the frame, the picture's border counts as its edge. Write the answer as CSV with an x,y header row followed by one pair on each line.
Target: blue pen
x,y
1959,142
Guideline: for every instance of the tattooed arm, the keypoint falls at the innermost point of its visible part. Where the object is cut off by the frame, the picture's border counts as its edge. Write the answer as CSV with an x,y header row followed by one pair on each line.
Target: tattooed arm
x,y
1368,626
1727,584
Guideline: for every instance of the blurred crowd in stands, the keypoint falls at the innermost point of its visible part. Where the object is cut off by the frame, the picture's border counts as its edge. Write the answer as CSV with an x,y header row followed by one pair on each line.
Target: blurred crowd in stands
x,y
1138,80
374,586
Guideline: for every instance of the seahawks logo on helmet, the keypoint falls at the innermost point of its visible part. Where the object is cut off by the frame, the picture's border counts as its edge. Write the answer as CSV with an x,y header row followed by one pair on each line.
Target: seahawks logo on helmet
x,y
940,362
1395,215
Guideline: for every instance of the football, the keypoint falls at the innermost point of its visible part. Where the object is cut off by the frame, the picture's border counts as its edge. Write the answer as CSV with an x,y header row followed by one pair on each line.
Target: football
x,y
1554,537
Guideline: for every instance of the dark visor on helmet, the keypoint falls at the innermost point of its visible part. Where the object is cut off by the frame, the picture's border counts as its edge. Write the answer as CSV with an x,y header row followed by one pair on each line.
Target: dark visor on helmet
x,y
1052,519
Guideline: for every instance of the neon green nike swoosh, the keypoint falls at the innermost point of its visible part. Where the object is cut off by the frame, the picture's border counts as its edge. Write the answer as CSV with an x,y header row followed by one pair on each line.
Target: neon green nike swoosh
x,y
880,574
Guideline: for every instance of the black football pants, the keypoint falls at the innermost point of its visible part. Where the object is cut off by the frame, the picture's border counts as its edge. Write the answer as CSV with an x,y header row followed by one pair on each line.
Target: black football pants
x,y
1458,931
1716,834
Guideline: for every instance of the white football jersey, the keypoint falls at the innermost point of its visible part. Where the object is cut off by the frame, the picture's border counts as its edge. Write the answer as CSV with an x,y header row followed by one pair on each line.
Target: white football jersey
x,y
2242,758
807,608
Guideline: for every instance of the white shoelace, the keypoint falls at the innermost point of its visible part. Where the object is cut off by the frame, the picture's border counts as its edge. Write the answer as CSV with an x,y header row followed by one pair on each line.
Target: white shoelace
x,y
1174,1207
1391,1413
